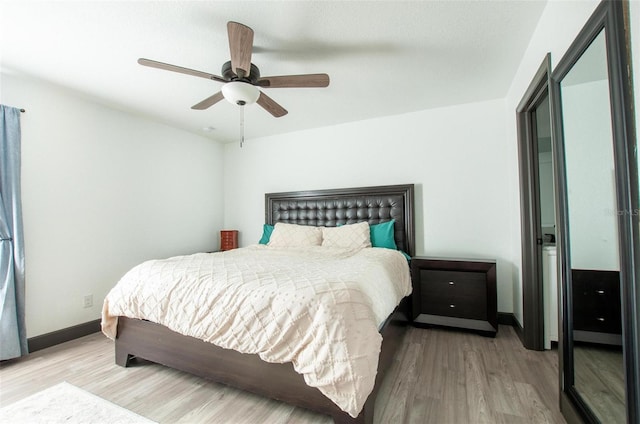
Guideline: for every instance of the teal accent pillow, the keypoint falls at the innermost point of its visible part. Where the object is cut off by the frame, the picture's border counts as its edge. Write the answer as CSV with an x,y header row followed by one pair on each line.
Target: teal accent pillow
x,y
266,233
382,235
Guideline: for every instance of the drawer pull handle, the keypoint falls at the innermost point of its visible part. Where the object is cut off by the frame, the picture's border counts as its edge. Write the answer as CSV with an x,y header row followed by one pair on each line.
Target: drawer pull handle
x,y
451,283
452,306
600,291
600,319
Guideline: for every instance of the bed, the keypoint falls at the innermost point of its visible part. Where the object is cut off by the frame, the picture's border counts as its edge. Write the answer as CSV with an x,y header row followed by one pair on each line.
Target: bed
x,y
320,208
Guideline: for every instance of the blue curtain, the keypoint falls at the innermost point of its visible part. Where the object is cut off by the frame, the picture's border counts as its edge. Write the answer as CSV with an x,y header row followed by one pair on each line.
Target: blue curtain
x,y
13,335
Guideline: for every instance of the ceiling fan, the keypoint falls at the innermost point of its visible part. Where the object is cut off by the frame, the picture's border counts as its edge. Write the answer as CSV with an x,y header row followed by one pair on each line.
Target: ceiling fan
x,y
241,77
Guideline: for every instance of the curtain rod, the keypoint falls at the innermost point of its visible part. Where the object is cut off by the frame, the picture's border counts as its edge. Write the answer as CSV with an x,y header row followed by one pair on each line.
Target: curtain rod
x,y
22,110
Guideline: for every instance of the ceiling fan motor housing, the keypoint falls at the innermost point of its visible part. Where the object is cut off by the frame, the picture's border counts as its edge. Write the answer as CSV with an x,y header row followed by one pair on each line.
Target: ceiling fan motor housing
x,y
229,75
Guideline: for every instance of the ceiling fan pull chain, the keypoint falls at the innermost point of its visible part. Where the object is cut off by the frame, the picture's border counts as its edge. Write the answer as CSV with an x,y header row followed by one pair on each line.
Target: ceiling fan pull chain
x,y
241,126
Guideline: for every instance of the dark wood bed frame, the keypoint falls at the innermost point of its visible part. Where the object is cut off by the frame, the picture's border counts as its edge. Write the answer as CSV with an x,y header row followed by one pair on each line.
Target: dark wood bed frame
x,y
156,343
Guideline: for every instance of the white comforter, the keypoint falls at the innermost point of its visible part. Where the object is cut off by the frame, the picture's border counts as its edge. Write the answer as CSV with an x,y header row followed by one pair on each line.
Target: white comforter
x,y
317,307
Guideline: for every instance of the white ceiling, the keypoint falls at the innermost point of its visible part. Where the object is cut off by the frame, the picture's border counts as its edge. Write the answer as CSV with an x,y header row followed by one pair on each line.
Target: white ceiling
x,y
383,57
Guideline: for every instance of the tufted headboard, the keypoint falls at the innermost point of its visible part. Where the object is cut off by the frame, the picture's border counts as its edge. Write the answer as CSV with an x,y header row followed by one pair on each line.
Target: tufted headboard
x,y
333,207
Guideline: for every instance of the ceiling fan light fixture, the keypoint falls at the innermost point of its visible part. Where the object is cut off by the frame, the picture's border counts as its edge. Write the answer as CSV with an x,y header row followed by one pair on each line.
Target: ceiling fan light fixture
x,y
240,93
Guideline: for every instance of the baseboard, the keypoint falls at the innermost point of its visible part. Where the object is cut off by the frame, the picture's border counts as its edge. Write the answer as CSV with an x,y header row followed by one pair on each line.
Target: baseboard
x,y
60,336
507,318
519,331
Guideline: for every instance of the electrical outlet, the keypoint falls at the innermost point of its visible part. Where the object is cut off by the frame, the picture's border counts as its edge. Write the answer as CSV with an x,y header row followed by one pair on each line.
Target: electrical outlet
x,y
88,301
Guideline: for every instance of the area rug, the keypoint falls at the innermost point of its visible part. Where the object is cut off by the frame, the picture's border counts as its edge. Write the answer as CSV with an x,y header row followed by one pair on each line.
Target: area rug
x,y
65,403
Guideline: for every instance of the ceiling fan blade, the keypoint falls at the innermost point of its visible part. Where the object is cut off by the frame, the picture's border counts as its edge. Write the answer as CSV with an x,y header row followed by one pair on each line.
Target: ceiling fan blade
x,y
271,106
209,101
292,81
179,69
240,45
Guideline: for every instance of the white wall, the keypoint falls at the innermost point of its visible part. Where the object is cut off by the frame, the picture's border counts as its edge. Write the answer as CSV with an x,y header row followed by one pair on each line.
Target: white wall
x,y
456,156
103,190
559,25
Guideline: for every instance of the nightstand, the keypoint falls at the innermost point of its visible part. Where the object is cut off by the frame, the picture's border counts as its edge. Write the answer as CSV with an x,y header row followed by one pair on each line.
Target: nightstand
x,y
455,293
228,240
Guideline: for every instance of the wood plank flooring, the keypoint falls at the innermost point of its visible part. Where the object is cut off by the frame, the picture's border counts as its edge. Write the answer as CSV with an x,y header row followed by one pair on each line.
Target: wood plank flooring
x,y
599,378
439,376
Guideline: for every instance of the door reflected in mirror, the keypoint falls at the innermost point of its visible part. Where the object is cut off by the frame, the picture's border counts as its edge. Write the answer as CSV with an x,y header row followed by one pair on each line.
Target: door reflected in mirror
x,y
593,235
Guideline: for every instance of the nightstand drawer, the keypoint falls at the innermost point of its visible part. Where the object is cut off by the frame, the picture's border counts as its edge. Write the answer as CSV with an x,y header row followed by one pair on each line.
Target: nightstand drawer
x,y
459,308
452,282
599,322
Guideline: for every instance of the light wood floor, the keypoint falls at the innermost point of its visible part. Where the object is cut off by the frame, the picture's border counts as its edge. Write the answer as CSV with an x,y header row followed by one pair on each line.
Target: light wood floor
x,y
599,378
440,376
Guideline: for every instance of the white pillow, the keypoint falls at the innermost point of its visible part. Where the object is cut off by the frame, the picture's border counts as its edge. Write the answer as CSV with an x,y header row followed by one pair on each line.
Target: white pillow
x,y
292,235
352,236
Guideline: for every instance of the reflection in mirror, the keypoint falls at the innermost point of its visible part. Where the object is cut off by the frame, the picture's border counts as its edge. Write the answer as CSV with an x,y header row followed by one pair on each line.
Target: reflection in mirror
x,y
547,219
545,171
593,235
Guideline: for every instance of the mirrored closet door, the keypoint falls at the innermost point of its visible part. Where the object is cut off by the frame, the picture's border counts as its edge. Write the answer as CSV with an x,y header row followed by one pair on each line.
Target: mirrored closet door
x,y
596,196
